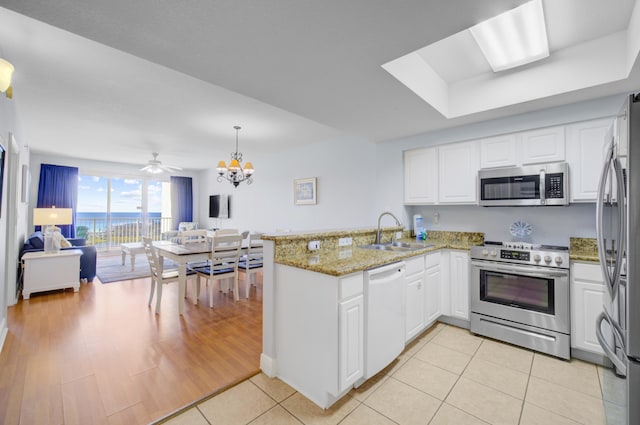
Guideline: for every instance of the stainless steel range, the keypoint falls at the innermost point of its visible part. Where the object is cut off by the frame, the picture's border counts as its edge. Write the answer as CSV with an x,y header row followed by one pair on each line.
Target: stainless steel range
x,y
520,294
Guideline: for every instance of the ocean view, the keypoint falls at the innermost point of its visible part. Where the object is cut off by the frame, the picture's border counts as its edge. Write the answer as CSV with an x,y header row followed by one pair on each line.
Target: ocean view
x,y
99,219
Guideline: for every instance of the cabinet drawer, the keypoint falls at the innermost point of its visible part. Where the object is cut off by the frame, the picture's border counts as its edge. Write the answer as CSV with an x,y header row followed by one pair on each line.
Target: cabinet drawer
x,y
415,265
432,260
588,272
351,285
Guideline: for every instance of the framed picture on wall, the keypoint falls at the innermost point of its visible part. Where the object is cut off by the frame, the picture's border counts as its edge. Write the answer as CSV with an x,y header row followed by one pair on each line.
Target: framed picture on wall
x,y
304,191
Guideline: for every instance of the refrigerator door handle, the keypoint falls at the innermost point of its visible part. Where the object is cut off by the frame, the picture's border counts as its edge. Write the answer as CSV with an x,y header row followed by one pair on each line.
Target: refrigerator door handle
x,y
602,248
620,366
622,227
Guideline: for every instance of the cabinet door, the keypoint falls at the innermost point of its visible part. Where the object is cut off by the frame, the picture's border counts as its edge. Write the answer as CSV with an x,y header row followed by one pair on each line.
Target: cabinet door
x,y
586,304
458,165
585,155
415,308
351,348
499,151
420,176
543,145
459,282
587,298
433,286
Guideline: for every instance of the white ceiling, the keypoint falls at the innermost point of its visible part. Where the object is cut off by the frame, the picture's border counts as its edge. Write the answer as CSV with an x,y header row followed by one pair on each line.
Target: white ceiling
x,y
126,78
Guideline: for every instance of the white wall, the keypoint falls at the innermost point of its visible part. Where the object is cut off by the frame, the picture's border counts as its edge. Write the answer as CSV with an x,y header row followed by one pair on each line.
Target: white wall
x,y
12,215
345,169
552,225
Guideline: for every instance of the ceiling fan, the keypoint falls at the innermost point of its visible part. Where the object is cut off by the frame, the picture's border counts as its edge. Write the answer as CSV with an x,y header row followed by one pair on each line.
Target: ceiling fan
x,y
155,166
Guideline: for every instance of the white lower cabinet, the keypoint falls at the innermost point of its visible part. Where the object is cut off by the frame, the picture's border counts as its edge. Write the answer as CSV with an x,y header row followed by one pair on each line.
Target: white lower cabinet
x,y
587,298
459,284
433,287
351,348
414,297
319,323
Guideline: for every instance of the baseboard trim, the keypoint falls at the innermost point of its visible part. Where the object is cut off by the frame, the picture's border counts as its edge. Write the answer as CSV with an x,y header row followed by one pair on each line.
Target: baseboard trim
x,y
268,365
4,331
461,323
599,359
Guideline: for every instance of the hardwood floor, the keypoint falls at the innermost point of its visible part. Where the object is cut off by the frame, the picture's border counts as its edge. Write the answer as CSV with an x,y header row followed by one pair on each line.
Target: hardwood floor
x,y
101,356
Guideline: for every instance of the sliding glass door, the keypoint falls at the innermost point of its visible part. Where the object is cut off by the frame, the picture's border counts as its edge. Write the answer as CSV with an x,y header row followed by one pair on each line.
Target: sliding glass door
x,y
116,210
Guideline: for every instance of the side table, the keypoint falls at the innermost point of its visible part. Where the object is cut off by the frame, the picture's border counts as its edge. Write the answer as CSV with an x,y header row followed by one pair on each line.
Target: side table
x,y
46,272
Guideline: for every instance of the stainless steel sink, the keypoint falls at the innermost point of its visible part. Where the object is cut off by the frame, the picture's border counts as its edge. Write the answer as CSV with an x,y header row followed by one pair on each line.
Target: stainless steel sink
x,y
397,246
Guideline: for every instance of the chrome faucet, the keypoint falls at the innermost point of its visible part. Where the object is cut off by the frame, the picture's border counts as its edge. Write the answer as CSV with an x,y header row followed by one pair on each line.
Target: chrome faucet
x,y
379,232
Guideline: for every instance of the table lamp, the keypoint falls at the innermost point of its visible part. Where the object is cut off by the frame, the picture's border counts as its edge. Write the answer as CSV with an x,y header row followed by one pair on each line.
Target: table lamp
x,y
51,217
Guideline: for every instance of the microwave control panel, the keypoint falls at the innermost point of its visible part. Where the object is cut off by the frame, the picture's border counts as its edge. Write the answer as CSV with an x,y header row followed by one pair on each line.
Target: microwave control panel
x,y
553,183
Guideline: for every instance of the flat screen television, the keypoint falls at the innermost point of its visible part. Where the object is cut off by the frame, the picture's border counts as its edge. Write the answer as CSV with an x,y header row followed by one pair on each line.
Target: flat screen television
x,y
219,206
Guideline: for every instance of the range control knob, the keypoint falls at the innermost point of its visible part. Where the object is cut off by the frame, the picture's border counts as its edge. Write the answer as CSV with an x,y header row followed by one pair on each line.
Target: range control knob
x,y
558,260
547,259
537,258
494,253
485,252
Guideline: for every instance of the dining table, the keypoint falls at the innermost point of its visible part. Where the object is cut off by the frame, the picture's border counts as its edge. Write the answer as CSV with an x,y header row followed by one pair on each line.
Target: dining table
x,y
183,254
188,253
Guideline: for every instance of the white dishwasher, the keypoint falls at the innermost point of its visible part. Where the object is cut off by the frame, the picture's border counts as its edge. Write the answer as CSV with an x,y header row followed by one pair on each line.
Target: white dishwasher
x,y
384,316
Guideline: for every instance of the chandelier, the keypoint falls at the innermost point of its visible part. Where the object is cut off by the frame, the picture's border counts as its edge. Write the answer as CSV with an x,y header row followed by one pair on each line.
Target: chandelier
x,y
234,173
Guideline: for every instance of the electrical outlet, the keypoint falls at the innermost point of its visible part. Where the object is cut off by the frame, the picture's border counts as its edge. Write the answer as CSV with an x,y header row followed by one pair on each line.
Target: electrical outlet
x,y
345,253
398,235
436,218
345,241
314,245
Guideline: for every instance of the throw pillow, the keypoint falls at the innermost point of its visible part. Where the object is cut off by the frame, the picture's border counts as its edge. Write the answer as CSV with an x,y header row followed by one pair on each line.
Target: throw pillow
x,y
64,243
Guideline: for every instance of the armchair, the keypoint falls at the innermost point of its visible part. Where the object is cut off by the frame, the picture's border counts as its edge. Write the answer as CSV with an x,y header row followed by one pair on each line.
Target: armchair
x,y
174,235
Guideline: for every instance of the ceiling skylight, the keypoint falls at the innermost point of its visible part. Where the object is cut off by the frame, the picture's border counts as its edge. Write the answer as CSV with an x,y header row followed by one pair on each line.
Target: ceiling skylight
x,y
513,38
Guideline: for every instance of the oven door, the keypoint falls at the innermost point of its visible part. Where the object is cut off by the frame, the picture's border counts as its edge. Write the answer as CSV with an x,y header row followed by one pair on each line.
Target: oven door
x,y
531,295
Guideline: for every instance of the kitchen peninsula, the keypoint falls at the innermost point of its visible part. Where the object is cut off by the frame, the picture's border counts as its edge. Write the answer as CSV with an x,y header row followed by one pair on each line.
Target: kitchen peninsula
x,y
314,315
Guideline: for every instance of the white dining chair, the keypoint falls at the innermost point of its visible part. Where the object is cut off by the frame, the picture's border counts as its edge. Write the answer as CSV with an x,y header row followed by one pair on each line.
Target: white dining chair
x,y
251,261
222,232
225,254
193,236
159,276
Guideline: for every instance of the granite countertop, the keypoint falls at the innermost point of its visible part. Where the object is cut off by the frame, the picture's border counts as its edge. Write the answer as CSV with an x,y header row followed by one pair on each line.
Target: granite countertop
x,y
340,262
583,249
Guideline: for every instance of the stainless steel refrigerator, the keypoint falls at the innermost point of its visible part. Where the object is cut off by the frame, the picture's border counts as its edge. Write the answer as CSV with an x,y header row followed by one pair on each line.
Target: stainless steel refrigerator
x,y
618,235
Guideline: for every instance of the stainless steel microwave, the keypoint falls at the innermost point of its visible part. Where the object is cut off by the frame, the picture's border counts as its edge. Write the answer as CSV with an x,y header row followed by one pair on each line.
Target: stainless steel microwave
x,y
530,185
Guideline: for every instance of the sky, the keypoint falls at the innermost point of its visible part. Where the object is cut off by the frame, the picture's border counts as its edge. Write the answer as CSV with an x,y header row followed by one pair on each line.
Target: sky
x,y
125,194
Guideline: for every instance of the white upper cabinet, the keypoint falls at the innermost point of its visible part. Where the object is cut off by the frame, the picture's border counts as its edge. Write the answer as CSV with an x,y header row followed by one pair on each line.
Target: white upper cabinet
x,y
458,170
421,176
542,145
499,151
585,155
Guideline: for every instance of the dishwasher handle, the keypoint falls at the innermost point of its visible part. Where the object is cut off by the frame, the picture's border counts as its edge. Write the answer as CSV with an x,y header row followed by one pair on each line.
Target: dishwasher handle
x,y
387,273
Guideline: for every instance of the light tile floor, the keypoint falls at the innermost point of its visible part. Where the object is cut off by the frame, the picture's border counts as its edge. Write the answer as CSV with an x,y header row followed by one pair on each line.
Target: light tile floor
x,y
446,376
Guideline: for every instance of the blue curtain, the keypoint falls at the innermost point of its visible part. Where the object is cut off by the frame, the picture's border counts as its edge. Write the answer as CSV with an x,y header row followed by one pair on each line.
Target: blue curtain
x,y
181,200
58,187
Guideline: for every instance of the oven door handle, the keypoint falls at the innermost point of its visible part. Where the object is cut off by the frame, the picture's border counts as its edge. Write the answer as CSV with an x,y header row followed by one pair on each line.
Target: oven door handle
x,y
534,272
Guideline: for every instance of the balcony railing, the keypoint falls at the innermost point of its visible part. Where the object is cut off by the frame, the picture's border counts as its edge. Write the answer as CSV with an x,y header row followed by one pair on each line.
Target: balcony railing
x,y
110,233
